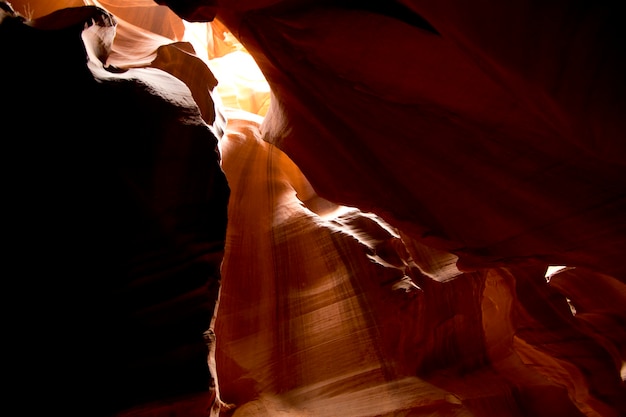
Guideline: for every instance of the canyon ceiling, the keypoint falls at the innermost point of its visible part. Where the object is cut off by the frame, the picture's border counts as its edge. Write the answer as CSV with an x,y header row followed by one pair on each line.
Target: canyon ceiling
x,y
366,223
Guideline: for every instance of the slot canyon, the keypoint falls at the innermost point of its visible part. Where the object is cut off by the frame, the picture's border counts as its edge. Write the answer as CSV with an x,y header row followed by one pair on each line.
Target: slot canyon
x,y
299,208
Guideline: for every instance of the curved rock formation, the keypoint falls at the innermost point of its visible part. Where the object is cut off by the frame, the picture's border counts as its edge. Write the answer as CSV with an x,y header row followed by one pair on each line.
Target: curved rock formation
x,y
115,220
325,312
392,215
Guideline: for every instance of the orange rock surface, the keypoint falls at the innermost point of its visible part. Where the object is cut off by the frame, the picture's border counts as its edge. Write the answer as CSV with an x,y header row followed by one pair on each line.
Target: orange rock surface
x,y
366,233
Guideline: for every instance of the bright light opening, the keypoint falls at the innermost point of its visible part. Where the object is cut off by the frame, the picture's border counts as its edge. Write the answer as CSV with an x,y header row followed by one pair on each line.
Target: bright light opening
x,y
553,269
241,84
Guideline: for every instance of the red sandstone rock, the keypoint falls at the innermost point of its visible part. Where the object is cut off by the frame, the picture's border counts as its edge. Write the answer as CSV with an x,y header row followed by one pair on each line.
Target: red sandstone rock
x,y
390,220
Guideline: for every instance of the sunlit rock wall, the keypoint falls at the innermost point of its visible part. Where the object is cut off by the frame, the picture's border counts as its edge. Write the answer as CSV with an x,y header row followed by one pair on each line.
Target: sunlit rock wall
x,y
480,134
393,216
324,311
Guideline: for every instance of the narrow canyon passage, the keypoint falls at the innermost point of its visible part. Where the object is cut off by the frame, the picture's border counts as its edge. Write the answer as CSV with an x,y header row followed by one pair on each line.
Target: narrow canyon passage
x,y
377,194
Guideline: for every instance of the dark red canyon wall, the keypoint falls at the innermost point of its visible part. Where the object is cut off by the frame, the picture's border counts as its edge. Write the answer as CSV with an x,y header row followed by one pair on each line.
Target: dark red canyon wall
x,y
380,236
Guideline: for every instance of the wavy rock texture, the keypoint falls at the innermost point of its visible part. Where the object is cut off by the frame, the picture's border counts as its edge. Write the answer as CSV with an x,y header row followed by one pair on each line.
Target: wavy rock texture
x,y
392,213
326,313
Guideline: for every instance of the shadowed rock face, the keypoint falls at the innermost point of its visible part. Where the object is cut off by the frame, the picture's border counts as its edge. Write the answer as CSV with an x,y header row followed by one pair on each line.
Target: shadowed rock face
x,y
115,216
390,220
